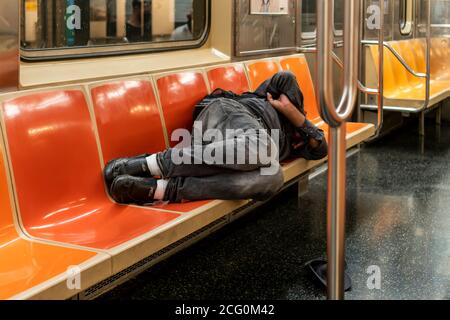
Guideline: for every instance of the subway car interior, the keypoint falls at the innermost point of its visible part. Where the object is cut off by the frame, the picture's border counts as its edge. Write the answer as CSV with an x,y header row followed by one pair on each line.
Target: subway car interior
x,y
83,82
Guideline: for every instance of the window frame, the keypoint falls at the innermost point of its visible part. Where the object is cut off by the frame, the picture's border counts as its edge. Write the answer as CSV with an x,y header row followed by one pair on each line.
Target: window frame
x,y
51,54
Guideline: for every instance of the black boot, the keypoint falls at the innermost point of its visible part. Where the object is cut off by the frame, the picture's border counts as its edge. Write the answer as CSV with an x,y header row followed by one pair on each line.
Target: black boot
x,y
133,190
136,166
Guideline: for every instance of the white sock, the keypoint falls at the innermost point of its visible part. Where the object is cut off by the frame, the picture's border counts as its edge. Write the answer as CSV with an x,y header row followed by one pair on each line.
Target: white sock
x,y
161,189
153,166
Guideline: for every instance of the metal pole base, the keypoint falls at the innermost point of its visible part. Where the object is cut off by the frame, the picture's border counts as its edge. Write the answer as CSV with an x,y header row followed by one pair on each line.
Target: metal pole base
x,y
319,269
422,124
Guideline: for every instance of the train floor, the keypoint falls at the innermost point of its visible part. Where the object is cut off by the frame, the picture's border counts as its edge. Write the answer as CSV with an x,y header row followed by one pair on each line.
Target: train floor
x,y
398,223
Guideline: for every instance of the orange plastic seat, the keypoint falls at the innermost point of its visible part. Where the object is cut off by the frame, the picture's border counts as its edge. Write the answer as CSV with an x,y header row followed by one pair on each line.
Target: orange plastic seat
x,y
351,127
388,71
131,104
440,59
25,264
439,55
128,104
230,78
407,49
58,176
401,84
179,93
58,179
299,67
261,71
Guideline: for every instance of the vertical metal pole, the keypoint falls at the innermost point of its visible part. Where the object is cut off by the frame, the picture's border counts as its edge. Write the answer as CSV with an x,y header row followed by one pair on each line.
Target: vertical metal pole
x,y
422,124
9,45
381,69
439,114
336,116
428,75
336,212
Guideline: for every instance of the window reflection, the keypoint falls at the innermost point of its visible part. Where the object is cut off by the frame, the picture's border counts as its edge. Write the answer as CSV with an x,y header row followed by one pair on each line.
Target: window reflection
x,y
308,19
138,25
184,31
440,12
82,23
339,13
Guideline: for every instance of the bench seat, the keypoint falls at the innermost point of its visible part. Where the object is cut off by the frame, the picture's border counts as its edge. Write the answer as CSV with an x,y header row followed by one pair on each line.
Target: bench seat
x,y
403,89
59,140
33,269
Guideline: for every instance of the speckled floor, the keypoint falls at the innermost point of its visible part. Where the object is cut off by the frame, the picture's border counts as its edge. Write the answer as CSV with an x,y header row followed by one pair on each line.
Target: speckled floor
x,y
398,220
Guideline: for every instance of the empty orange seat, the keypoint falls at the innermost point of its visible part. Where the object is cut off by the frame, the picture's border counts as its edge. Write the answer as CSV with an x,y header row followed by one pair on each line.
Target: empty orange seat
x,y
400,84
440,59
299,67
128,119
58,176
351,128
131,104
179,93
439,55
408,50
25,264
261,71
230,78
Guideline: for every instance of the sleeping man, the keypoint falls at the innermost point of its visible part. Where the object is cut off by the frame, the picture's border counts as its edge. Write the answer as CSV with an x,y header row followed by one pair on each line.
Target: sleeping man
x,y
233,152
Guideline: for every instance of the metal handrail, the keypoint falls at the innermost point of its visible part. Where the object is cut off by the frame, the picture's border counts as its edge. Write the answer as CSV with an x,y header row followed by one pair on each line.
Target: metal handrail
x,y
380,120
333,115
426,76
398,56
380,91
336,116
339,62
361,87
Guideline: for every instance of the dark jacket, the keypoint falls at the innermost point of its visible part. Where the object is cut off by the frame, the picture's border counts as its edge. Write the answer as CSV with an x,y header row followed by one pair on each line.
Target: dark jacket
x,y
256,102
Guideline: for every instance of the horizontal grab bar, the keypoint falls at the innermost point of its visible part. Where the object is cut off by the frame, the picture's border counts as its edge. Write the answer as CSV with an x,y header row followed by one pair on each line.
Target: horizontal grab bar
x,y
361,87
398,56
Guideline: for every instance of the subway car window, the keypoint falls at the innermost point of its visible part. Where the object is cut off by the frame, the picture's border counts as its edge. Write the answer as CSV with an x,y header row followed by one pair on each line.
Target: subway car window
x,y
339,17
440,18
440,12
80,27
263,29
309,11
309,19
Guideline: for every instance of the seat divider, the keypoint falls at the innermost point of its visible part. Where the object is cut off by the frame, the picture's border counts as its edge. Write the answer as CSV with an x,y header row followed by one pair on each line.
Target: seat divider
x,y
90,104
205,78
153,80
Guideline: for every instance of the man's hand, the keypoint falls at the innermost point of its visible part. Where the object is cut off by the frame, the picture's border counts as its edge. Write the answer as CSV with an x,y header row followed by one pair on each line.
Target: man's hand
x,y
288,109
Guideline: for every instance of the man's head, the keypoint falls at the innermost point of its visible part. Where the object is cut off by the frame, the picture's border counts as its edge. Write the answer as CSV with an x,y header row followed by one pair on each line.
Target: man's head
x,y
136,4
189,21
